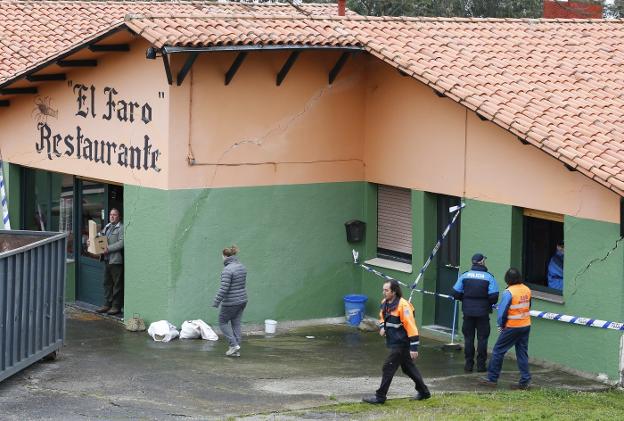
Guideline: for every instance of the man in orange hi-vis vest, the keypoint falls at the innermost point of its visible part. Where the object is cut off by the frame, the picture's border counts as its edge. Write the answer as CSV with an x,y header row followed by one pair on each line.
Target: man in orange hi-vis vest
x,y
397,324
514,325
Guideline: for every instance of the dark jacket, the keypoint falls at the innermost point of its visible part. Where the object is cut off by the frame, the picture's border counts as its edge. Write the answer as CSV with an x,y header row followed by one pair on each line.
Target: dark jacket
x,y
233,279
477,290
397,319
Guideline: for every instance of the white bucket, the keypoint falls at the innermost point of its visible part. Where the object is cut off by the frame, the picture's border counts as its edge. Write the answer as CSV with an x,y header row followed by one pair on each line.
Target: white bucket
x,y
270,326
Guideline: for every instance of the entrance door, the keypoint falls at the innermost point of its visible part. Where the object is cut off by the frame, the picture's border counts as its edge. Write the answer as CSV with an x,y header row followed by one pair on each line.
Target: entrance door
x,y
447,261
92,205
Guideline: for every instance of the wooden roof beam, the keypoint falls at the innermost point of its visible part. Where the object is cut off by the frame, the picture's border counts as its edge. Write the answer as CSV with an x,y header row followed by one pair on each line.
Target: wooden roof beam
x,y
290,61
46,78
186,68
77,63
333,74
109,48
240,57
18,91
165,58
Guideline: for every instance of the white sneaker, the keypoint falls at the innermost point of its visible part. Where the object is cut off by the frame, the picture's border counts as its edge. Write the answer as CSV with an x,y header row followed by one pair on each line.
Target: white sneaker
x,y
233,351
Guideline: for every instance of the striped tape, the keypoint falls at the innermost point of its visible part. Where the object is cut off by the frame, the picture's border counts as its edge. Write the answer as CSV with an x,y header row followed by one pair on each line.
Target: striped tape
x,y
381,275
390,278
583,321
3,197
436,247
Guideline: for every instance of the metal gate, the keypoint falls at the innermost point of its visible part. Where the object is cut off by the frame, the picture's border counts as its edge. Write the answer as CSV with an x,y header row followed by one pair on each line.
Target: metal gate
x,y
32,297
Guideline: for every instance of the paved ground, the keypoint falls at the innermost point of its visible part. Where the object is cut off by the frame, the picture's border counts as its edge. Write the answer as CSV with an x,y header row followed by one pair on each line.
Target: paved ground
x,y
105,372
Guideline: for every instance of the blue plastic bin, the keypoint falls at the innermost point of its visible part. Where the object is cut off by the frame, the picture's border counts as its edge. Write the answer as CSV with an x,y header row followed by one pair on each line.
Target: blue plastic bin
x,y
354,308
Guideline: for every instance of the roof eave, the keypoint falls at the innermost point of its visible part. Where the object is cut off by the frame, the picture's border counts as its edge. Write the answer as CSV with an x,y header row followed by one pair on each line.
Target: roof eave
x,y
72,50
169,49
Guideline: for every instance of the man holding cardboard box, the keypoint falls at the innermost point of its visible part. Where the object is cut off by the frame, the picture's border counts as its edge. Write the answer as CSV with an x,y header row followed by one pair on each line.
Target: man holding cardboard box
x,y
112,254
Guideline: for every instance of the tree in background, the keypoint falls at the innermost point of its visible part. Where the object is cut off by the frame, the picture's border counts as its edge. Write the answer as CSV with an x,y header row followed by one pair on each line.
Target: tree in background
x,y
614,9
449,8
457,8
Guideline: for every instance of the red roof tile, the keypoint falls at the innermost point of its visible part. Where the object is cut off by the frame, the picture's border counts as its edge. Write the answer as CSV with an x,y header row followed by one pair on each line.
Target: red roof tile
x,y
558,84
33,31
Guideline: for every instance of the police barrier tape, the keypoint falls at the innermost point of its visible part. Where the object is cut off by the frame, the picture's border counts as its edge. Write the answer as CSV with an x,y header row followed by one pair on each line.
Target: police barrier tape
x,y
6,222
390,278
583,321
381,275
457,210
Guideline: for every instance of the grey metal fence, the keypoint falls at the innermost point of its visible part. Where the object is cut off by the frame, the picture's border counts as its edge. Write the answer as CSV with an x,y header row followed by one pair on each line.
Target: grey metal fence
x,y
32,297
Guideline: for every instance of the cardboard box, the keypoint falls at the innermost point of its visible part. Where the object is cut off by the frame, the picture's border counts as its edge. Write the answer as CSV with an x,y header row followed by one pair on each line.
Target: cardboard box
x,y
97,245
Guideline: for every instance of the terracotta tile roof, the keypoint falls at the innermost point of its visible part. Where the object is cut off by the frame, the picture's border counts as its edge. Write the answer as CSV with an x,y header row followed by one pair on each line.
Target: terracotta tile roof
x,y
33,31
242,30
557,84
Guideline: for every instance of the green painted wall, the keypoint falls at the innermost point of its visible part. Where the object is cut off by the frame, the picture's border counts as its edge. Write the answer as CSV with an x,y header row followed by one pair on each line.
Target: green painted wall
x,y
371,284
426,219
593,274
70,281
292,240
593,287
487,228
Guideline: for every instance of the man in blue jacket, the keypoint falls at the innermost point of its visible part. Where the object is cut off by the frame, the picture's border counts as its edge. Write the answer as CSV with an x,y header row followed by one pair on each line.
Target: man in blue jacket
x,y
555,268
477,289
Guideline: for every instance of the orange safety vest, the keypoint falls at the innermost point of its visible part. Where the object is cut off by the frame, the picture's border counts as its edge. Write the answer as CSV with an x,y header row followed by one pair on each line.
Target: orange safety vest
x,y
518,314
400,325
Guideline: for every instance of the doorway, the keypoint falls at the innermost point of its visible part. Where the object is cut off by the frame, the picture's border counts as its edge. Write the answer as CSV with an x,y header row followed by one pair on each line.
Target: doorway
x,y
447,261
94,201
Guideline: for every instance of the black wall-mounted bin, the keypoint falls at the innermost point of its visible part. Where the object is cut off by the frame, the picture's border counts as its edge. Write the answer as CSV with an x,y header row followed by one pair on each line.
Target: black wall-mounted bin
x,y
355,230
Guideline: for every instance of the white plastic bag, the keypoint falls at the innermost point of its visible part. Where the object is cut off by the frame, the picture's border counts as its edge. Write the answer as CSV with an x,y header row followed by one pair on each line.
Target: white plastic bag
x,y
162,331
206,331
190,330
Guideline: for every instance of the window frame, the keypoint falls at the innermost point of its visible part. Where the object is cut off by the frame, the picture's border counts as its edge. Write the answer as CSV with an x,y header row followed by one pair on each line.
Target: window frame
x,y
541,291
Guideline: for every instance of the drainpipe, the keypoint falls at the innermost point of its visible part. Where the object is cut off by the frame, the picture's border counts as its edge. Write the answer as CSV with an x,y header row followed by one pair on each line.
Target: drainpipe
x,y
341,7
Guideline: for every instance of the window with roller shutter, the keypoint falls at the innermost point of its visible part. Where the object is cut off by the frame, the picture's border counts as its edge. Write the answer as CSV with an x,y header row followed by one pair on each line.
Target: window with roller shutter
x,y
394,223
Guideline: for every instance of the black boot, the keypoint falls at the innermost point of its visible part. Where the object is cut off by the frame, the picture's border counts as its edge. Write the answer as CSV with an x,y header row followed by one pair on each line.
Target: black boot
x,y
375,400
421,396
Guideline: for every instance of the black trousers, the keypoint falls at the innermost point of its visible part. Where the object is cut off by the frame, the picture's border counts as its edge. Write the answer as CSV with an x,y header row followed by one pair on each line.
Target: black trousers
x,y
482,327
113,285
400,357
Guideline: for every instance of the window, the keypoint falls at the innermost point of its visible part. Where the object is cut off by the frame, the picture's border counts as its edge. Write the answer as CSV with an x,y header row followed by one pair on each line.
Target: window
x,y
542,232
394,223
48,203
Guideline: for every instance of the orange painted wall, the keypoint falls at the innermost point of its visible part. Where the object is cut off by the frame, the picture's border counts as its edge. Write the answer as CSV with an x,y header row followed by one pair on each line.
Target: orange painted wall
x,y
136,80
253,132
372,124
415,139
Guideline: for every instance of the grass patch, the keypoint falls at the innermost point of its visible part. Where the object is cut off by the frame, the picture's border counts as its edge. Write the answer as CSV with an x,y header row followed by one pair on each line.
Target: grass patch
x,y
539,404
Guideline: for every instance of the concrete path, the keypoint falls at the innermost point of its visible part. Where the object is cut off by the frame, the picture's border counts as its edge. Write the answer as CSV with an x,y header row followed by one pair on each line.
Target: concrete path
x,y
105,372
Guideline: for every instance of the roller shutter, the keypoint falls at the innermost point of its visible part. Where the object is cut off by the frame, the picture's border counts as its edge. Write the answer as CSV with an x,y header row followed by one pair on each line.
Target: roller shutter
x,y
394,219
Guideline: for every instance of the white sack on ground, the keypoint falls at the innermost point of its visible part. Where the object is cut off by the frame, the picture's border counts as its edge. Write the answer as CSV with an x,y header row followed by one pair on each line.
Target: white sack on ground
x,y
162,331
206,331
189,330
192,329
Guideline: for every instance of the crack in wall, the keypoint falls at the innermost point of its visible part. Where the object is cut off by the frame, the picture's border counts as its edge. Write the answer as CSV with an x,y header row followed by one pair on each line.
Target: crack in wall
x,y
282,126
591,263
580,195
